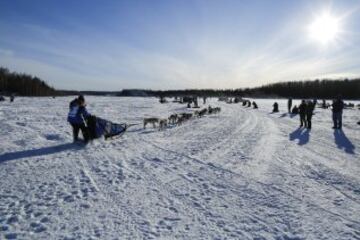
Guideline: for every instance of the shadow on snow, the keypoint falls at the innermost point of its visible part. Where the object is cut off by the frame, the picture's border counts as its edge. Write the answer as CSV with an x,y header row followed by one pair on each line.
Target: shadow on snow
x,y
291,115
39,152
343,142
283,115
302,134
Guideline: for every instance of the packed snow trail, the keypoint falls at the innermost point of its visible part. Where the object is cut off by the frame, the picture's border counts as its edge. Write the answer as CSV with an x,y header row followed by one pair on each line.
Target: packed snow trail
x,y
240,174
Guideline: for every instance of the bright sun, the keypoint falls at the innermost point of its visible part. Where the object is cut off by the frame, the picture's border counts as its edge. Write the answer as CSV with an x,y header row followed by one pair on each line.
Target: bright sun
x,y
325,28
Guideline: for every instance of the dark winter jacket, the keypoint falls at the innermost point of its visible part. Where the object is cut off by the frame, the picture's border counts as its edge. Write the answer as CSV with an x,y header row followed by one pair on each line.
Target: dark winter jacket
x,y
310,108
338,106
302,109
77,114
73,103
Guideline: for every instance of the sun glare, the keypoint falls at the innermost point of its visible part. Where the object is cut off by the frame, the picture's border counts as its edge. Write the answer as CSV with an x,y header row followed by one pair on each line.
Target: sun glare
x,y
325,28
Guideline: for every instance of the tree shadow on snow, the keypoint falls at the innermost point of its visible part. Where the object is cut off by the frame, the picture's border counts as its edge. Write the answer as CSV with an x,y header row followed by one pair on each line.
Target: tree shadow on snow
x,y
343,142
303,135
38,152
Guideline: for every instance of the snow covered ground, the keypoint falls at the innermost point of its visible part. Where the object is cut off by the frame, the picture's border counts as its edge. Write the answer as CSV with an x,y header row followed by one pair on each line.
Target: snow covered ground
x,y
240,174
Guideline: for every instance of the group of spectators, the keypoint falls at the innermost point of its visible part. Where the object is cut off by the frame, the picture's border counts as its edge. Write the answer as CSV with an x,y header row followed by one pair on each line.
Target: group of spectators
x,y
306,111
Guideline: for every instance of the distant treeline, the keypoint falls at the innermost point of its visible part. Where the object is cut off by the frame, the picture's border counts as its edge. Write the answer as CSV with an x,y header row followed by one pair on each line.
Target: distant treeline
x,y
328,89
23,84
26,85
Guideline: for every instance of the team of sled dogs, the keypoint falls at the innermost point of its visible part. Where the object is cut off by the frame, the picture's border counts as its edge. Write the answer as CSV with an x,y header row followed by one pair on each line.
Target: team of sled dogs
x,y
179,118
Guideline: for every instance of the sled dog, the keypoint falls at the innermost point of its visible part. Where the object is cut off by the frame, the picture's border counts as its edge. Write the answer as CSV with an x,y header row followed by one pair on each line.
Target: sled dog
x,y
163,124
187,116
180,120
216,110
202,112
173,118
152,120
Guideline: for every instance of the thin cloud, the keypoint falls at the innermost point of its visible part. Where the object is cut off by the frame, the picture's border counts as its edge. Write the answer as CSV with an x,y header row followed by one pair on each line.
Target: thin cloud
x,y
6,52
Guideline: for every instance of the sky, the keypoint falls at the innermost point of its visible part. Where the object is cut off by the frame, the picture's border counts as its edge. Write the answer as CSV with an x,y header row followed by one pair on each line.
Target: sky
x,y
179,44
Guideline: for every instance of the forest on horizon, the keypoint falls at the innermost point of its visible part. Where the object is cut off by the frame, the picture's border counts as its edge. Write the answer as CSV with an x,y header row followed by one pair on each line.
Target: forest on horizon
x,y
26,85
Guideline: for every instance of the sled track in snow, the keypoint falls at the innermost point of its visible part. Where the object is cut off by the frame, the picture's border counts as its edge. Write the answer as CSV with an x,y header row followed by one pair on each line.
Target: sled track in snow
x,y
188,202
273,187
108,193
148,177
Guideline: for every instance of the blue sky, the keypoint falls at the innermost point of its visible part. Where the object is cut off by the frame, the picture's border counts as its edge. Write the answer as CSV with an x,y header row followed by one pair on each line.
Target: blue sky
x,y
111,45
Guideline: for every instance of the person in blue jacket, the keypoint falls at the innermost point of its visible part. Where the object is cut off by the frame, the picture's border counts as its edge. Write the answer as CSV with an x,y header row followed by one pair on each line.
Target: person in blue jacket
x,y
77,117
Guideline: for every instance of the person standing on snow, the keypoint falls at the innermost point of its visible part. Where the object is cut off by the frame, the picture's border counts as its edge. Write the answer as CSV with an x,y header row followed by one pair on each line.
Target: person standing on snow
x,y
289,105
337,109
77,118
309,113
302,113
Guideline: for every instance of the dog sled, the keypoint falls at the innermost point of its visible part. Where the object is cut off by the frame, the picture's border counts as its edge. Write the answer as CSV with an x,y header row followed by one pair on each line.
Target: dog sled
x,y
99,127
